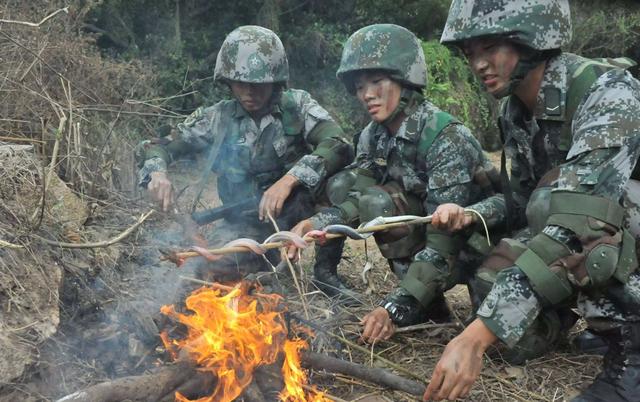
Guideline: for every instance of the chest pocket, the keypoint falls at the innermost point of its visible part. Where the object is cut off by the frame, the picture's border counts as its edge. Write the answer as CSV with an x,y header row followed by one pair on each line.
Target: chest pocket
x,y
292,145
234,158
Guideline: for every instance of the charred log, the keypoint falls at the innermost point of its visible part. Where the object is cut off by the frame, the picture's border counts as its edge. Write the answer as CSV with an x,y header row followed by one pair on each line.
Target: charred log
x,y
156,386
373,375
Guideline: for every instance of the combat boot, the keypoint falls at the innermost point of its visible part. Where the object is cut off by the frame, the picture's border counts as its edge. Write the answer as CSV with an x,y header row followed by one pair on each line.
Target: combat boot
x,y
590,343
325,273
619,380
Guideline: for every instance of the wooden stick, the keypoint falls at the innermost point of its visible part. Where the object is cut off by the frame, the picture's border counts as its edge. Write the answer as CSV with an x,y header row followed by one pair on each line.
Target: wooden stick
x,y
37,24
376,356
427,325
269,246
373,375
19,139
6,244
220,286
99,244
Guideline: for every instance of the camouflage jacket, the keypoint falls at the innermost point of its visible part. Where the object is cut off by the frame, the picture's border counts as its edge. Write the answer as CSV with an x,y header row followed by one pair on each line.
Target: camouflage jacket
x,y
598,160
298,137
444,174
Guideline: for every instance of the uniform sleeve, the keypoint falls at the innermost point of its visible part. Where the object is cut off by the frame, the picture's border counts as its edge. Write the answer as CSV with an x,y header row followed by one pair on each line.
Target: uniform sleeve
x,y
605,148
451,162
331,150
365,178
192,135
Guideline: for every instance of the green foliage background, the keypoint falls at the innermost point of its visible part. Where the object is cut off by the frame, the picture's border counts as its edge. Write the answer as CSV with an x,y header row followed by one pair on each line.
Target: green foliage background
x,y
180,40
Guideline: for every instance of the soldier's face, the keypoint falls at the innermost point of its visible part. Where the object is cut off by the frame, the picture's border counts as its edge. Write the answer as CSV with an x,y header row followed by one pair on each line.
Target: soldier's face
x,y
379,94
492,60
254,98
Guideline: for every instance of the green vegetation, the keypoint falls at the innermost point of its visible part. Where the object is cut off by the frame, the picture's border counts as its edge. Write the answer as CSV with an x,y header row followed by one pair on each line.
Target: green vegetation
x,y
451,87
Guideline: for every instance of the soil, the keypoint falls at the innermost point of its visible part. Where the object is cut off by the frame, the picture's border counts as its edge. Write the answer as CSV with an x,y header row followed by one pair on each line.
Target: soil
x,y
110,298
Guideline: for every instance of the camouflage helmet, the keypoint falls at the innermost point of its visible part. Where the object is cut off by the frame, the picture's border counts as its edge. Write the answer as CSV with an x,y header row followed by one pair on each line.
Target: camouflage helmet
x,y
252,54
538,24
384,47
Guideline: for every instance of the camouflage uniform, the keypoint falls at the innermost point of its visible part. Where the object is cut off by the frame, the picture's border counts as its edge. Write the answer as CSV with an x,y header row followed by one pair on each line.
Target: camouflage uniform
x,y
297,136
430,160
585,132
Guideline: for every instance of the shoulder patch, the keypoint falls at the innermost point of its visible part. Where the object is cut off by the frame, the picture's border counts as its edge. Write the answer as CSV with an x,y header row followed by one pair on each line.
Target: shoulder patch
x,y
292,121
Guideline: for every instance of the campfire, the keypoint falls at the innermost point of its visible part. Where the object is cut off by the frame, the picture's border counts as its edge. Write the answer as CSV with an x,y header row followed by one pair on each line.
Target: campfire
x,y
230,333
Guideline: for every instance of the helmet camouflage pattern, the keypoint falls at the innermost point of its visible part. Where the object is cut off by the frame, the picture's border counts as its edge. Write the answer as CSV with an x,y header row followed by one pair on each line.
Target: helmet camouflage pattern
x,y
252,54
538,24
384,47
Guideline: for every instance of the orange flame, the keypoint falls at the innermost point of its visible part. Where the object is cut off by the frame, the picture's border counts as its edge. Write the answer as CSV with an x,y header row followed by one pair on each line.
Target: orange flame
x,y
294,376
231,334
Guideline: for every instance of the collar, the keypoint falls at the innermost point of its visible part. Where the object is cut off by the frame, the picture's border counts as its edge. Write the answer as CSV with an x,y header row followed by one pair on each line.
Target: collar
x,y
239,112
408,129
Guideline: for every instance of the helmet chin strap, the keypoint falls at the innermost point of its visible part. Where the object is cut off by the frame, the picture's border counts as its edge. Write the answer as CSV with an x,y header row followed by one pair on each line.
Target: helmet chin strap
x,y
409,99
529,59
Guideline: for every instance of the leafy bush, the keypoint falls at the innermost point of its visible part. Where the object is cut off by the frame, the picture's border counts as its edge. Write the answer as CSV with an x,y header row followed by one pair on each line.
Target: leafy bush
x,y
452,87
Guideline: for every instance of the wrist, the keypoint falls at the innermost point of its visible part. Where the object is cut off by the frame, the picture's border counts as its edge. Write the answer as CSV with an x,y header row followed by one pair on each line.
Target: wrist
x,y
290,180
480,334
158,174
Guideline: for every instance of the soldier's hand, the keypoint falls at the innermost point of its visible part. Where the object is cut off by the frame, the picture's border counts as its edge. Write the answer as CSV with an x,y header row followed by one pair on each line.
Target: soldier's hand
x,y
451,217
460,364
273,199
161,189
377,326
300,229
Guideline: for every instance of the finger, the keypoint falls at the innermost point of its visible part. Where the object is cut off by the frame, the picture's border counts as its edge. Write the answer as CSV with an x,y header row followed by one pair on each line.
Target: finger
x,y
366,331
435,218
278,207
168,200
449,381
466,390
456,392
165,202
261,207
291,252
373,331
444,216
387,332
154,191
434,385
376,333
468,220
458,223
272,207
163,198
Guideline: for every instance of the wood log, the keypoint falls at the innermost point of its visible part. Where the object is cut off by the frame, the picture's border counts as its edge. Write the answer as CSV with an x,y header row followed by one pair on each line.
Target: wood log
x,y
373,375
253,393
183,377
143,388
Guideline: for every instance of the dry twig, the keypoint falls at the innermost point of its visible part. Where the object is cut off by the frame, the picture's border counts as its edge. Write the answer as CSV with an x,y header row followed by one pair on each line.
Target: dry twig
x,y
99,244
37,24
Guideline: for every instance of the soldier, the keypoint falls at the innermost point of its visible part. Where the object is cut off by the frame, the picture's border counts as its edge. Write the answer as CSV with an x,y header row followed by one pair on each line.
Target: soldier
x,y
268,138
577,121
411,158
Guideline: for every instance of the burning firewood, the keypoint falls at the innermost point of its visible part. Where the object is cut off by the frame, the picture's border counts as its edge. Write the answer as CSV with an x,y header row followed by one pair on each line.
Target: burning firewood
x,y
231,334
237,344
158,386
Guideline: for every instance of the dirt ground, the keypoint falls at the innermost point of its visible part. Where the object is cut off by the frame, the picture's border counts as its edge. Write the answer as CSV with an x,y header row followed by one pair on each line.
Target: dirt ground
x,y
109,319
